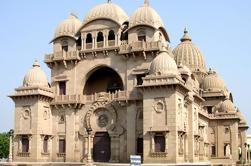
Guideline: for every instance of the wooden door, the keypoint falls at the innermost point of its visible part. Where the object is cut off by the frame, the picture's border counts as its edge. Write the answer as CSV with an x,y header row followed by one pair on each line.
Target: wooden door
x,y
101,147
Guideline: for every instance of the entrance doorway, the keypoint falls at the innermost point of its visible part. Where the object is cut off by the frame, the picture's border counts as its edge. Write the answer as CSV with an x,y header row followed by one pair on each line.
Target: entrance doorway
x,y
101,147
140,147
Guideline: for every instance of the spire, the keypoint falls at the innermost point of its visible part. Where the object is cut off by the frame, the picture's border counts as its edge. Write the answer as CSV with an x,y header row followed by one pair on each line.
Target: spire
x,y
109,1
186,36
146,2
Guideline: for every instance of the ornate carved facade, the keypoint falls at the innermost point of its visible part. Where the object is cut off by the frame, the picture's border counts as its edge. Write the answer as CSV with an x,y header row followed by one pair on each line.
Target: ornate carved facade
x,y
117,89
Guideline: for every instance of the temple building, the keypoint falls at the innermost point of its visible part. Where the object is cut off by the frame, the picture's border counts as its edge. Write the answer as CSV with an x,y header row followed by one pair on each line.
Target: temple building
x,y
118,89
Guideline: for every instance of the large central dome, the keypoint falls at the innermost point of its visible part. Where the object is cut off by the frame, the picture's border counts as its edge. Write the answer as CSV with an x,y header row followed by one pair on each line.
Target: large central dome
x,y
108,11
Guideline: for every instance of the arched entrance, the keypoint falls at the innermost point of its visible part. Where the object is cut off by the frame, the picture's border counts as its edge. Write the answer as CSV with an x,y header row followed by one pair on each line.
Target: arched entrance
x,y
103,79
101,147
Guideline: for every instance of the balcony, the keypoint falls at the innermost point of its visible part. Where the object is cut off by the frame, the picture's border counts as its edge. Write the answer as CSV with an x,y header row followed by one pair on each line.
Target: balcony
x,y
78,101
62,56
117,96
140,46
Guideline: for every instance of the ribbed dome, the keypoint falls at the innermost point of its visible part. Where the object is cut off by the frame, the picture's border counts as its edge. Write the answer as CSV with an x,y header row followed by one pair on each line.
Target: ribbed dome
x,y
188,54
213,82
68,27
227,106
108,11
146,15
242,119
163,64
35,77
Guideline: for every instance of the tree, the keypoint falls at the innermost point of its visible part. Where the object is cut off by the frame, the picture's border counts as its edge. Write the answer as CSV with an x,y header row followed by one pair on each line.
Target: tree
x,y
4,145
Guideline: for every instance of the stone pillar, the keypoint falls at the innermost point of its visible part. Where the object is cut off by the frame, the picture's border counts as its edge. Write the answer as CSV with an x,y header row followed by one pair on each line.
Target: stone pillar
x,y
166,138
94,42
105,40
114,148
131,133
243,146
30,137
83,44
234,141
70,135
116,39
190,135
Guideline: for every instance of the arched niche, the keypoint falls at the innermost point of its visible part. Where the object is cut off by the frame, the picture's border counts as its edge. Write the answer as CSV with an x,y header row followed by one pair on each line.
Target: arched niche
x,y
103,79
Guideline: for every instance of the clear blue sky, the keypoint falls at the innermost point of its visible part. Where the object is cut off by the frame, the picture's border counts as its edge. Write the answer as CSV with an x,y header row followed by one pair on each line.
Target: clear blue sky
x,y
220,28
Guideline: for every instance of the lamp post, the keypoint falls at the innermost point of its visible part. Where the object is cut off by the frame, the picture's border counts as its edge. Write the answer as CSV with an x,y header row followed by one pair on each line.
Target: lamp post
x,y
10,157
89,156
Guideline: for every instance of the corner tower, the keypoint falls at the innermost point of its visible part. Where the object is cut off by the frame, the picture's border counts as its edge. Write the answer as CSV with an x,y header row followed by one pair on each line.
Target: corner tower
x,y
32,138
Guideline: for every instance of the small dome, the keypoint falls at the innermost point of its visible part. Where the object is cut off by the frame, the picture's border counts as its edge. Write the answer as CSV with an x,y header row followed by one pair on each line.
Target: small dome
x,y
163,64
227,106
212,82
146,15
68,27
108,11
242,119
35,77
188,54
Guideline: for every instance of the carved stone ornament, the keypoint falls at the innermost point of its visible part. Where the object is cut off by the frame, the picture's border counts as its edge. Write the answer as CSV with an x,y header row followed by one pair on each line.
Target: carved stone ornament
x,y
159,106
26,112
102,120
46,115
101,114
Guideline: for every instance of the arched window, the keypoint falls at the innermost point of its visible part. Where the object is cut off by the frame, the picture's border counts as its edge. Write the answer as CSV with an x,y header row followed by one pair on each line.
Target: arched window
x,y
45,144
142,36
111,38
88,41
100,40
65,46
89,38
111,35
100,37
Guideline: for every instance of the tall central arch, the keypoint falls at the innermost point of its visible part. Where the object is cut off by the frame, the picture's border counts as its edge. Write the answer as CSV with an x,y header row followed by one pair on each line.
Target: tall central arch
x,y
103,79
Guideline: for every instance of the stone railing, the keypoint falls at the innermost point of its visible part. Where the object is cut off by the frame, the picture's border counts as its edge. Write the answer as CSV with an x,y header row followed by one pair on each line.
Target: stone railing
x,y
88,46
62,56
23,154
117,96
158,154
102,96
140,46
68,99
100,44
111,43
60,154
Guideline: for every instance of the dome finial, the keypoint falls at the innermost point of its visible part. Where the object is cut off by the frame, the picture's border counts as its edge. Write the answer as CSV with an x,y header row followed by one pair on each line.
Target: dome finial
x,y
109,1
73,15
36,63
146,2
186,36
